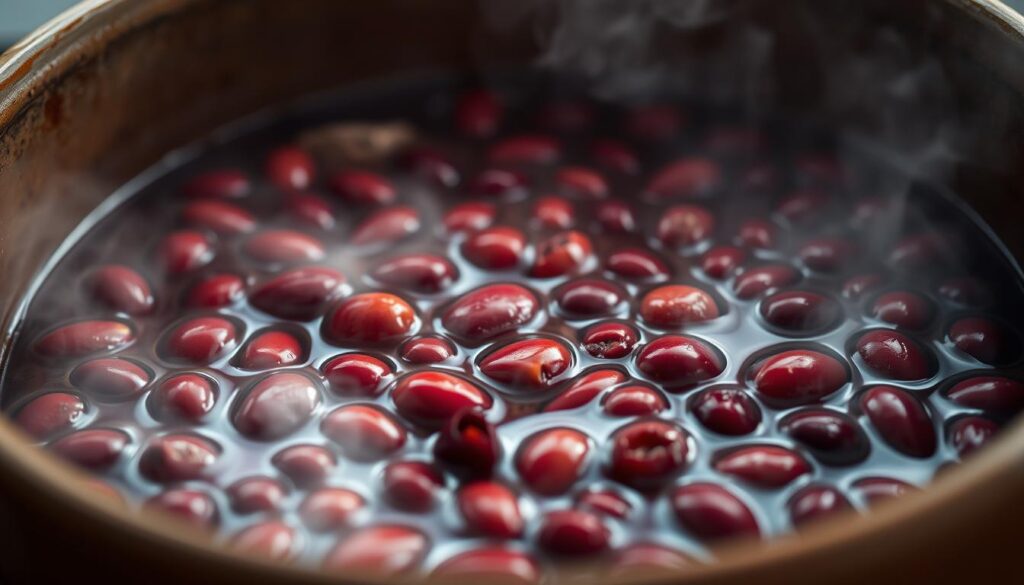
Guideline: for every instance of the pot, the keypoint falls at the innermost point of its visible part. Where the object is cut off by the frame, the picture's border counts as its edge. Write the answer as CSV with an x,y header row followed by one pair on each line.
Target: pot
x,y
101,92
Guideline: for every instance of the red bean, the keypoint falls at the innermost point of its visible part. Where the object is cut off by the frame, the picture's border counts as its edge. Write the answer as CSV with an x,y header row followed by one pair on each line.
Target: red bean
x,y
648,454
310,210
765,466
422,273
894,355
573,533
364,432
727,411
276,406
271,349
331,509
193,507
357,374
610,340
917,252
615,217
386,226
84,338
427,350
221,183
305,465
653,122
607,502
478,114
833,438
468,445
497,183
800,311
184,251
636,264
561,254
178,457
589,297
495,248
581,183
800,376
876,490
363,187
855,287
903,309
827,254
290,168
964,291
470,216
272,540
412,486
816,502
92,449
991,393
677,360
221,217
614,156
493,564
490,311
673,306
530,364
900,419
429,398
490,509
757,234
552,213
369,318
256,494
50,413
713,513
634,401
970,433
686,178
585,388
219,290
120,288
526,149
756,281
722,261
384,550
111,378
432,165
685,225
551,461
187,397
200,340
983,339
300,294
284,247
802,207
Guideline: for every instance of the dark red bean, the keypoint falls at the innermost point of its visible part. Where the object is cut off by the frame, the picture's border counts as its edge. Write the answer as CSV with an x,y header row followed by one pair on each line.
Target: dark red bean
x,y
612,340
300,294
111,378
615,217
468,444
917,252
900,419
802,206
833,438
178,457
120,288
756,281
357,374
272,349
552,213
686,178
676,305
679,361
490,311
478,113
653,122
970,433
826,254
310,210
636,264
423,273
256,494
903,309
284,247
581,183
490,509
219,290
290,168
607,502
49,414
800,376
645,556
495,248
964,291
193,507
271,540
184,251
92,449
369,318
223,183
530,364
491,564
983,339
876,490
469,217
430,398
561,254
427,350
855,287
276,406
412,486
816,502
551,461
83,338
497,183
364,432
765,466
432,165
648,454
614,156
800,311
573,533
634,401
331,509
721,261
385,551
363,187
187,397
727,411
894,355
868,212
201,340
526,149
305,465
685,225
713,513
990,393
756,233
386,226
585,388
221,217
589,297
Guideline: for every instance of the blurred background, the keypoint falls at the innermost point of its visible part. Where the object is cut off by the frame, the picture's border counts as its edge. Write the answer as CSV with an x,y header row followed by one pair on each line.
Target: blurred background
x,y
18,17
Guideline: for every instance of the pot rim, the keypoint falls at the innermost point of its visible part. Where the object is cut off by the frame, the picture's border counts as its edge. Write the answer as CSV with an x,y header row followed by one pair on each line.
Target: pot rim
x,y
77,34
